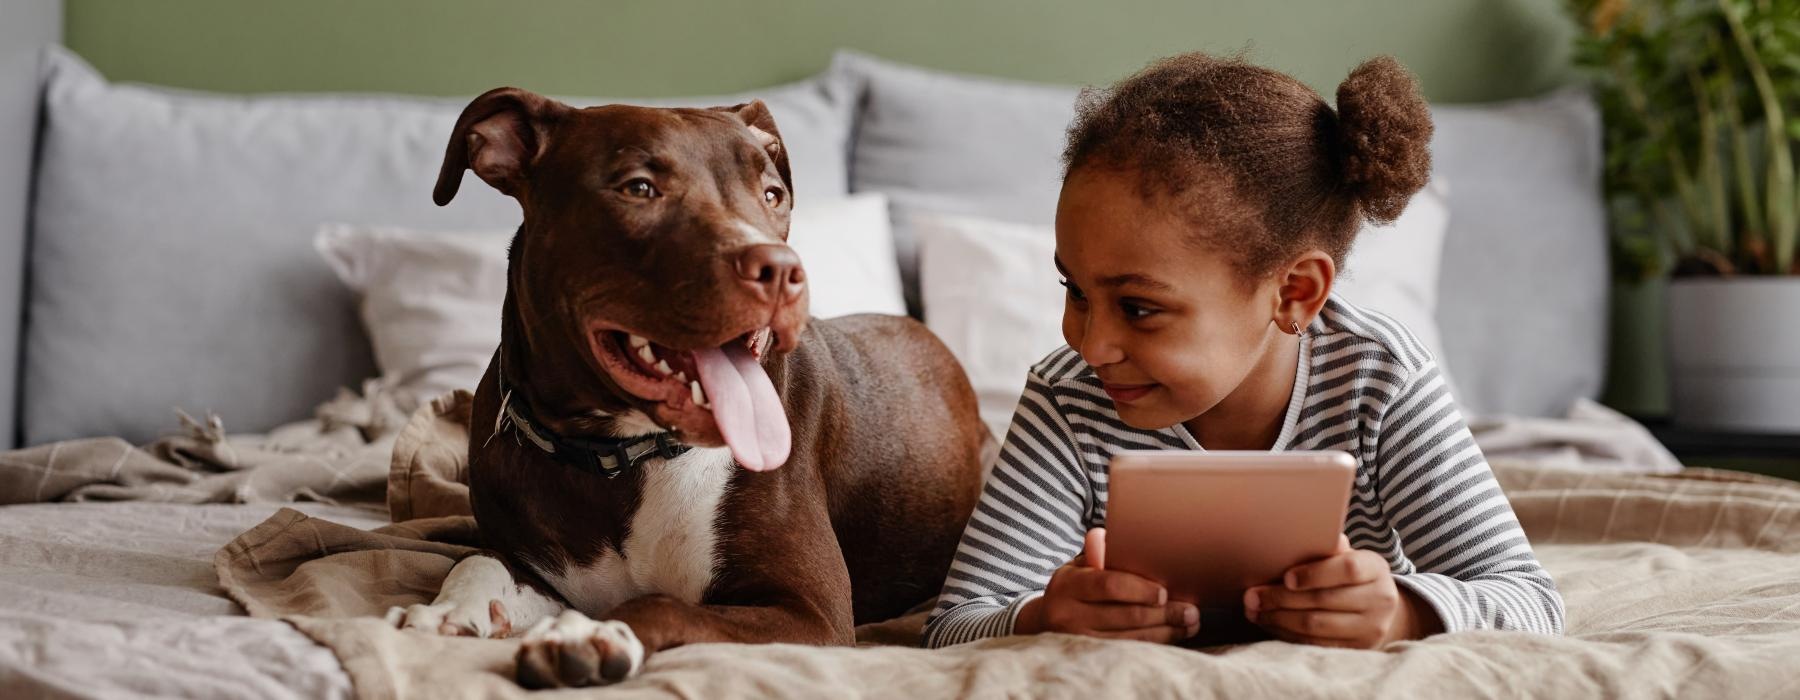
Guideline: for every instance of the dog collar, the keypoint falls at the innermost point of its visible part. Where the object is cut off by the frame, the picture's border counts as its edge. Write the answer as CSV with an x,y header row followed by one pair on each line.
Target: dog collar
x,y
608,457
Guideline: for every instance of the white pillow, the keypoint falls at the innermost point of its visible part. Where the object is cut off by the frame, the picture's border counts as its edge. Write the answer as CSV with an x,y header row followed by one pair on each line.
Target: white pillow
x,y
431,300
990,291
1394,269
847,247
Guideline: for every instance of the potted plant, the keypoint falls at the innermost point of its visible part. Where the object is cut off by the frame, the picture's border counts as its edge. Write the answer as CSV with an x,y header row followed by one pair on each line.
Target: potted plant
x,y
1701,104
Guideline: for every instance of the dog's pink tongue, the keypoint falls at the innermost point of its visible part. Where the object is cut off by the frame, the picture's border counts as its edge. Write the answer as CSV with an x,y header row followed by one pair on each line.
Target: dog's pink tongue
x,y
745,406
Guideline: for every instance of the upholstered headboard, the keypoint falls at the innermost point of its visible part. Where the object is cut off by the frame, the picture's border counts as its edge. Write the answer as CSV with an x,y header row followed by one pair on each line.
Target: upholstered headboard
x,y
29,26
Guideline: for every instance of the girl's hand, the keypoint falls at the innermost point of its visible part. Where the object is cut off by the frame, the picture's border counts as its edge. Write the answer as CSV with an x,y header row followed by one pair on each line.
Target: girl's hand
x,y
1084,598
1345,600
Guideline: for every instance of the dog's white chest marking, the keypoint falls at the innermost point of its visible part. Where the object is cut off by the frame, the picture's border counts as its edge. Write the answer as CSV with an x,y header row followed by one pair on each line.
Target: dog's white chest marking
x,y
671,547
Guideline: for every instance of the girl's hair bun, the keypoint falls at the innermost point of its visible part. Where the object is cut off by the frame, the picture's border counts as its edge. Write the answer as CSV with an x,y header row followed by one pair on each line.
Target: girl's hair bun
x,y
1384,137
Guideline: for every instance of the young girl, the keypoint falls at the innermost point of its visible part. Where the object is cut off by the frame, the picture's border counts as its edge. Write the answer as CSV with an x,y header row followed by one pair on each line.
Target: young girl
x,y
1207,208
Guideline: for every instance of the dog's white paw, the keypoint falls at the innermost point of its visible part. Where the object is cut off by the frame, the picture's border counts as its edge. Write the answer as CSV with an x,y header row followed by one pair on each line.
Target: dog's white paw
x,y
571,650
453,619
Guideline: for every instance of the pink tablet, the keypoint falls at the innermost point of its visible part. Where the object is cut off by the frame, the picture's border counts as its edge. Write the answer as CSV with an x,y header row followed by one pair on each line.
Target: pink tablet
x,y
1208,525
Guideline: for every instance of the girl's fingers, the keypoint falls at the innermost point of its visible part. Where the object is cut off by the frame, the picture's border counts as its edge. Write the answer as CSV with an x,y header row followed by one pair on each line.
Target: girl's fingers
x,y
1294,638
1093,552
1183,615
1154,635
1350,568
1096,586
1345,598
1113,617
1318,624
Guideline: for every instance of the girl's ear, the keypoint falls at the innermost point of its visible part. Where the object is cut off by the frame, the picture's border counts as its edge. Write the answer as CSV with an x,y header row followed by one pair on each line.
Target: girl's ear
x,y
1304,287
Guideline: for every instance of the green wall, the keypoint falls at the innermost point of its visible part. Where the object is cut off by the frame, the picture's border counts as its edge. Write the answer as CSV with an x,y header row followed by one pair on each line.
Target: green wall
x,y
1462,50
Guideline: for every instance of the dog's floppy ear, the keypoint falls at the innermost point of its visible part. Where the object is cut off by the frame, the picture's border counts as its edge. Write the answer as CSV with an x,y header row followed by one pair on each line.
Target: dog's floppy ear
x,y
498,136
756,115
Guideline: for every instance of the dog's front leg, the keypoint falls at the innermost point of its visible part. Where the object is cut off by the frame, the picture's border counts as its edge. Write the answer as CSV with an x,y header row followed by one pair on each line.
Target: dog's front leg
x,y
573,650
480,598
792,589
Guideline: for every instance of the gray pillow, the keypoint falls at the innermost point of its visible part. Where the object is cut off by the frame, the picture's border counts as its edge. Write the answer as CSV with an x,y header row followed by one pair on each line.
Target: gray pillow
x,y
1523,298
172,261
1523,294
30,25
956,144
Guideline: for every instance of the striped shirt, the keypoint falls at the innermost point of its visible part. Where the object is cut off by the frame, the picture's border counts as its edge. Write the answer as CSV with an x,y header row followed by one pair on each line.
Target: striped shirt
x,y
1424,496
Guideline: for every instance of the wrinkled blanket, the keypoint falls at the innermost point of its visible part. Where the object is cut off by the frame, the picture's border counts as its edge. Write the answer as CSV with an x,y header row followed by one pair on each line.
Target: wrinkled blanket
x,y
1684,585
1591,437
341,455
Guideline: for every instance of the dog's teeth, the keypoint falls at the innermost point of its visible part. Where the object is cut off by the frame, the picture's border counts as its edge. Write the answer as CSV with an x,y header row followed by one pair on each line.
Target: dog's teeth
x,y
681,377
647,355
663,367
638,342
699,394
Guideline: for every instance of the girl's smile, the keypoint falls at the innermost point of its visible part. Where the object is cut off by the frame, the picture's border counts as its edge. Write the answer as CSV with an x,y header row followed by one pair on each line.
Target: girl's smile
x,y
1127,393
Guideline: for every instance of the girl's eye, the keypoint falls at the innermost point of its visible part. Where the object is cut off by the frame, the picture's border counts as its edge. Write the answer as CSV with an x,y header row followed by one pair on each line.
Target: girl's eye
x,y
640,188
1136,312
772,196
1074,291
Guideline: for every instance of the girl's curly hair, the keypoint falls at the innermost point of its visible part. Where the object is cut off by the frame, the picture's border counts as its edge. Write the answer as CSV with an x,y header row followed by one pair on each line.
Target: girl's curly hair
x,y
1311,174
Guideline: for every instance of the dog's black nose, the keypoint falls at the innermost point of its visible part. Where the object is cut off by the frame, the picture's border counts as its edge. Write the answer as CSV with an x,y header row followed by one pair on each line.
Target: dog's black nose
x,y
772,272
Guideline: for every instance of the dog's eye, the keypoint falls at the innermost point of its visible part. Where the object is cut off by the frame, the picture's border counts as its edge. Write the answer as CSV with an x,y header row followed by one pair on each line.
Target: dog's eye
x,y
640,188
772,196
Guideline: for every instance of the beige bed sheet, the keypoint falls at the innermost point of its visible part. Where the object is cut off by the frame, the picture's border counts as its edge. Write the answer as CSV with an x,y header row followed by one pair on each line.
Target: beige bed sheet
x,y
116,600
1676,586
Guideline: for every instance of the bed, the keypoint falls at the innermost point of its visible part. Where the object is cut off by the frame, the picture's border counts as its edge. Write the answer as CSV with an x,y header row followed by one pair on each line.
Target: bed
x,y
174,262
1682,585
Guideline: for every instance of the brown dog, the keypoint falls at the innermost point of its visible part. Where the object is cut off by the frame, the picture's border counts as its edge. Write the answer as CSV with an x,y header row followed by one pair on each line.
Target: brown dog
x,y
655,335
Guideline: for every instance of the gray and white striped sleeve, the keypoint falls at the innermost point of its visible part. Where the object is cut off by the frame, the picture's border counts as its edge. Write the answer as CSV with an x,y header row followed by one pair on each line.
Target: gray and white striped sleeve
x,y
1475,566
1029,521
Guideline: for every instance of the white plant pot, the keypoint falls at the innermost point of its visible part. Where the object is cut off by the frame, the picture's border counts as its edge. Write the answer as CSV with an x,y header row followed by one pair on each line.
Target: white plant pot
x,y
1734,354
